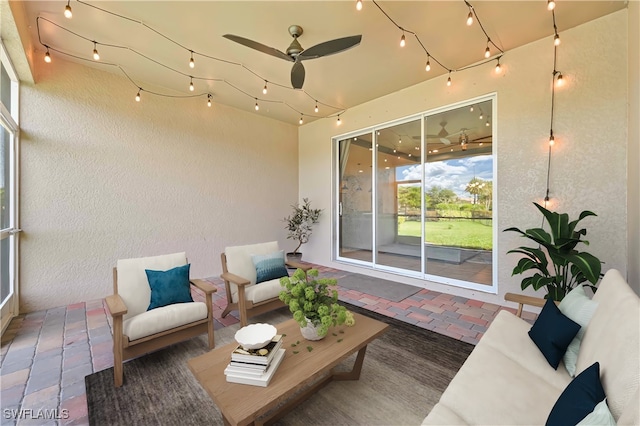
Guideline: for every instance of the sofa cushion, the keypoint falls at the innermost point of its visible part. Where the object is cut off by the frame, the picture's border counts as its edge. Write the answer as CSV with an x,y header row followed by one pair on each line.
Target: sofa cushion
x,y
613,339
269,266
579,398
600,416
133,286
578,307
162,319
168,287
631,413
553,332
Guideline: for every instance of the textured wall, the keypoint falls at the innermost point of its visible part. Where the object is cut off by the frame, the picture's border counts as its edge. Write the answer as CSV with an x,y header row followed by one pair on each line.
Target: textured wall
x,y
633,167
104,177
589,162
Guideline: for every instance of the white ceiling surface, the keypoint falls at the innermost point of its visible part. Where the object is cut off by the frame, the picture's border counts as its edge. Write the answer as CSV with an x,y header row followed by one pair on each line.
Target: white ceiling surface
x,y
376,67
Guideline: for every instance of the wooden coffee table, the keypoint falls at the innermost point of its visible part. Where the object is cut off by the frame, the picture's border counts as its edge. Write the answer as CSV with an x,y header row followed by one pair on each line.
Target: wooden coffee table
x,y
297,378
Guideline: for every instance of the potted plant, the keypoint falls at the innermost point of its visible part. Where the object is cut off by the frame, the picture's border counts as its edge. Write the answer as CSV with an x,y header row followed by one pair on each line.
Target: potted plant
x,y
299,225
560,266
313,304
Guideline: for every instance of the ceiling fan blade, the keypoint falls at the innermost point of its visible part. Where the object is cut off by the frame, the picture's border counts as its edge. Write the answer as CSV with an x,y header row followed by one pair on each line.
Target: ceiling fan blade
x,y
330,47
259,46
297,75
445,141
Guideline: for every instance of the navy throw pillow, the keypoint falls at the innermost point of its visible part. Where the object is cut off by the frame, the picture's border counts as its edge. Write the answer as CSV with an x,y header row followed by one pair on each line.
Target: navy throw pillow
x,y
169,287
269,266
578,399
553,332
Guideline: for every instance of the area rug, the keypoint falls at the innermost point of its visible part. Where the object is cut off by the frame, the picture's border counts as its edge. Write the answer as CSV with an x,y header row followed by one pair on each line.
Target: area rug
x,y
404,373
389,290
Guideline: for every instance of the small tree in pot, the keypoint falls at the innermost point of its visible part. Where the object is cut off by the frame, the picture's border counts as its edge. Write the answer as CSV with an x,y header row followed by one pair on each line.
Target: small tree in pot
x,y
568,267
300,222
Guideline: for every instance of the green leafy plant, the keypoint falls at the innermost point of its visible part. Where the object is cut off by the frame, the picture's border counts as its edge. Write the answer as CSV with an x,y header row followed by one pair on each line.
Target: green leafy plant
x,y
300,222
559,267
310,297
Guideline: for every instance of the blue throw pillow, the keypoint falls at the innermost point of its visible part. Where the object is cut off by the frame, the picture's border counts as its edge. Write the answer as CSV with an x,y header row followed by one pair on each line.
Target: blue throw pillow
x,y
578,399
269,266
553,332
169,287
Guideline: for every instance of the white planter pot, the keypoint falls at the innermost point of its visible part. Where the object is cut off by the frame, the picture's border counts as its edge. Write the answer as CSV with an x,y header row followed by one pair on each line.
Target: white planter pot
x,y
310,332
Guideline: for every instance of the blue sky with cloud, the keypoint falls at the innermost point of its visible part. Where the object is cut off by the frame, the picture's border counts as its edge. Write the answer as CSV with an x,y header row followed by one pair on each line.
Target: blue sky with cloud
x,y
452,174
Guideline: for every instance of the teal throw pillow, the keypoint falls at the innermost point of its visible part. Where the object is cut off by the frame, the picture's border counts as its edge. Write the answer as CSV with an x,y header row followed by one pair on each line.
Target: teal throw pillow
x,y
578,307
578,399
552,332
269,266
169,287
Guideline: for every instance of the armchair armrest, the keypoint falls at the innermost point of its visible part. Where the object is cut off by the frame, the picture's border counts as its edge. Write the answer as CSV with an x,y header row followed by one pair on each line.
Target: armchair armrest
x,y
116,305
237,280
203,285
522,300
294,264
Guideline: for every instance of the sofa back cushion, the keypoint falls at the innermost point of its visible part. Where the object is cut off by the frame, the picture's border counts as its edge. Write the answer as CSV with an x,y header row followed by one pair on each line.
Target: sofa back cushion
x,y
612,338
133,286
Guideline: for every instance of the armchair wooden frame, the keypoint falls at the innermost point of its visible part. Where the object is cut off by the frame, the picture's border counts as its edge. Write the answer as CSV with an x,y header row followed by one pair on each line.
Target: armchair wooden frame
x,y
522,300
246,308
124,349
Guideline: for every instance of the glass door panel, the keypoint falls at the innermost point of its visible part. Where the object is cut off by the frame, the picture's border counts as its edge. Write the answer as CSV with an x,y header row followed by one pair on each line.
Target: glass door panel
x,y
355,209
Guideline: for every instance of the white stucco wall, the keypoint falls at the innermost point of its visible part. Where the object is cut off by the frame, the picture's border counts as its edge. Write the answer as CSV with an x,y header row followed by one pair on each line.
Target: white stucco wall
x,y
588,170
104,177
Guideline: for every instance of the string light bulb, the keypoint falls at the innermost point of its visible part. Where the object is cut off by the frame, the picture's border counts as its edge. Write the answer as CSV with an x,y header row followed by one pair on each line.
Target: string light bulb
x,y
487,51
339,122
192,63
96,55
138,95
359,5
402,40
257,107
471,108
487,123
551,4
68,13
316,109
556,40
481,115
191,88
209,100
428,66
552,140
470,18
560,80
301,119
47,56
498,67
264,89
449,79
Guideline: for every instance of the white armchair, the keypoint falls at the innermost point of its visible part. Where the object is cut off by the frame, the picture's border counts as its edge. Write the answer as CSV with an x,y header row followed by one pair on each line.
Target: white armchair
x,y
136,328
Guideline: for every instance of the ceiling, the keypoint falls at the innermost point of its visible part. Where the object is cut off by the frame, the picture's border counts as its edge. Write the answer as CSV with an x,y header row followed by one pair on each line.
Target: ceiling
x,y
155,39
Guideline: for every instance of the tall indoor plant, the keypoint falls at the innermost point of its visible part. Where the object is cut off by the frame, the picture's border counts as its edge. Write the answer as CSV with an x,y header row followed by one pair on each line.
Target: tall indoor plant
x,y
300,223
567,267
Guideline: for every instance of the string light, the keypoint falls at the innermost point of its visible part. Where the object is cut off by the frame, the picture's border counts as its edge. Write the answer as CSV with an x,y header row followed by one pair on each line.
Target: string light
x,y
470,18
339,122
192,63
209,100
301,119
257,107
556,39
96,55
138,94
560,80
487,123
191,88
316,108
264,89
552,140
402,40
481,115
428,67
359,5
551,4
471,108
47,56
68,13
487,51
498,68
449,79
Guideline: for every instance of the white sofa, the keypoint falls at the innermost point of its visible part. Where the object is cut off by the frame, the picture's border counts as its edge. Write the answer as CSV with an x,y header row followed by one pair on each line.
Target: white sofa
x,y
506,379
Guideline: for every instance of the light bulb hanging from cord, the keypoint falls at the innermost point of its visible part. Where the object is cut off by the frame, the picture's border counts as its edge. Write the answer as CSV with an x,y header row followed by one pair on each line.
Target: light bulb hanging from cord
x,y
47,56
264,89
471,108
191,88
449,79
257,107
559,80
551,4
487,51
68,13
552,140
470,17
96,55
338,122
428,66
138,95
498,67
402,40
209,100
481,115
316,108
556,39
301,119
359,5
192,63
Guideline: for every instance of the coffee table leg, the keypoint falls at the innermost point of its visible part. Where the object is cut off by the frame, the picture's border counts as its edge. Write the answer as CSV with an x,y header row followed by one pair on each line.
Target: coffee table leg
x,y
354,374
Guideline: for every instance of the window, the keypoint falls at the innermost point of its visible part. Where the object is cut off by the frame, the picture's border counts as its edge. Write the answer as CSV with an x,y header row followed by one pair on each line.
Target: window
x,y
426,209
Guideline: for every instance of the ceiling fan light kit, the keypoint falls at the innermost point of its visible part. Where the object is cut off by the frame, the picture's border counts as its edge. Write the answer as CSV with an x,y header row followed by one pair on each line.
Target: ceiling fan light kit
x,y
296,53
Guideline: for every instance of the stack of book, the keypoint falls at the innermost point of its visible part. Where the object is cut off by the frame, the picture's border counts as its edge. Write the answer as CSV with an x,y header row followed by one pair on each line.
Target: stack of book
x,y
255,366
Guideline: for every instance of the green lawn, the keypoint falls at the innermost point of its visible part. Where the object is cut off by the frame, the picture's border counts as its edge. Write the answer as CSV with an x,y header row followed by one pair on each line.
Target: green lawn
x,y
457,233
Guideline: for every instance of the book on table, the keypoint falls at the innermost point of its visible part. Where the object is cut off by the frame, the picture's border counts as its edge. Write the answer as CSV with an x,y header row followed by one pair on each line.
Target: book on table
x,y
262,356
263,379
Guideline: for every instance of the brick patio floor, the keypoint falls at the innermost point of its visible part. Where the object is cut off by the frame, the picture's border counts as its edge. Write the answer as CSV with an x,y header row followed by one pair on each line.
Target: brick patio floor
x,y
46,355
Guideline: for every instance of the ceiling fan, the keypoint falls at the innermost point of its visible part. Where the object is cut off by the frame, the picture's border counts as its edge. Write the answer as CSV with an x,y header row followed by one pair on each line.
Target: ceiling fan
x,y
443,134
296,53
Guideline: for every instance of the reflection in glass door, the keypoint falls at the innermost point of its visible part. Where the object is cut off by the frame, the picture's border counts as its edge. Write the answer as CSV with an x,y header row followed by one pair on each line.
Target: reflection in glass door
x,y
355,195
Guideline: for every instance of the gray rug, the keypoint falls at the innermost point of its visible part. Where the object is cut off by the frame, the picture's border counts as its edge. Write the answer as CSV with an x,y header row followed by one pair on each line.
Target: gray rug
x,y
389,290
404,373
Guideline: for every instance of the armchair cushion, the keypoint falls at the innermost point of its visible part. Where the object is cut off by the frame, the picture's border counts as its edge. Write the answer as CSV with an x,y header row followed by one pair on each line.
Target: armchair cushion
x,y
269,266
163,318
168,287
553,332
239,258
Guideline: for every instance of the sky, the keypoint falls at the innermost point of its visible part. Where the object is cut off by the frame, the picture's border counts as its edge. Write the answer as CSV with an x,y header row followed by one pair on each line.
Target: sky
x,y
451,174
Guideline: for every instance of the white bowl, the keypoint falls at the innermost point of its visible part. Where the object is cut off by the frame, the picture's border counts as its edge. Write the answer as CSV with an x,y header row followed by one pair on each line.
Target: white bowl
x,y
255,336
